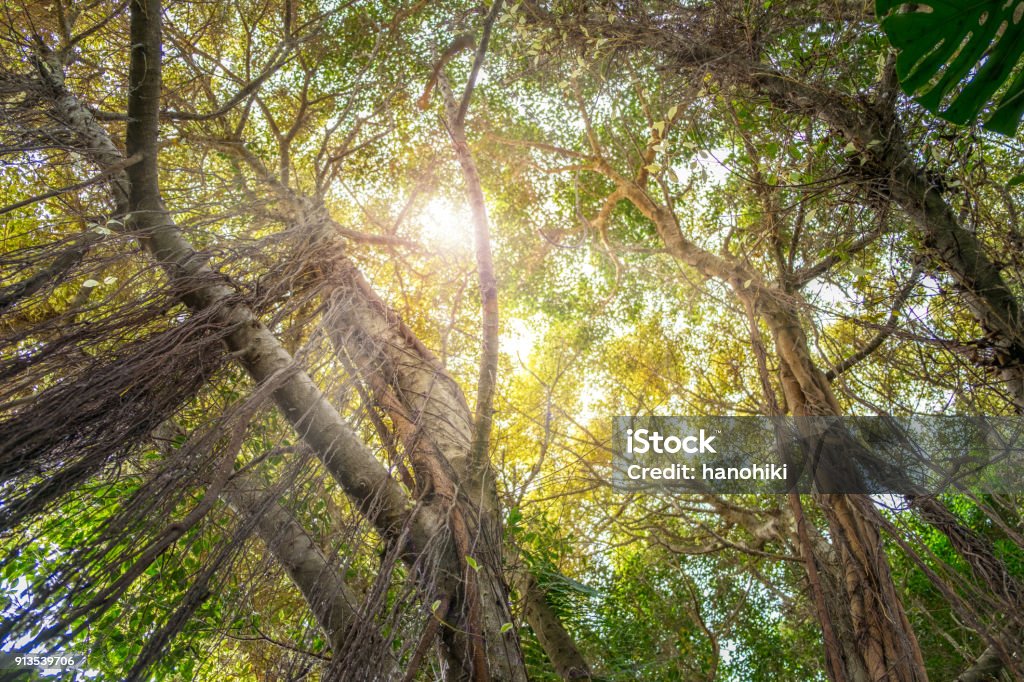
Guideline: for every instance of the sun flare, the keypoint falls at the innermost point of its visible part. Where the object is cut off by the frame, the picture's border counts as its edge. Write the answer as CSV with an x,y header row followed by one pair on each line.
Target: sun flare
x,y
445,225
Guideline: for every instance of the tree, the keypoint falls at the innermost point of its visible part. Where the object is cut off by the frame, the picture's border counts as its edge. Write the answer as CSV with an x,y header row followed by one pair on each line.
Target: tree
x,y
236,351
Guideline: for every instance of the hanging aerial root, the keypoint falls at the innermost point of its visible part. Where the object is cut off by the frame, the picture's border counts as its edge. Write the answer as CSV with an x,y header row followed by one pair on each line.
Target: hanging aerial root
x,y
74,428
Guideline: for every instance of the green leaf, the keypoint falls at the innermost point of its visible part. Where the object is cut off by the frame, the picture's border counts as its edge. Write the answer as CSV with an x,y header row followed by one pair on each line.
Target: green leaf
x,y
472,563
435,606
963,53
506,627
555,581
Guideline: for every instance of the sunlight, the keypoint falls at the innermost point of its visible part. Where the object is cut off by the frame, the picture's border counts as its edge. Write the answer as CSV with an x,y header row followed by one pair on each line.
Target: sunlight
x,y
511,341
520,336
446,226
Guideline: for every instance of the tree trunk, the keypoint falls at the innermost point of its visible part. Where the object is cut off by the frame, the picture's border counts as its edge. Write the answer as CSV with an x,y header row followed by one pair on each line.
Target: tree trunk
x,y
877,641
559,646
334,604
875,635
424,403
347,459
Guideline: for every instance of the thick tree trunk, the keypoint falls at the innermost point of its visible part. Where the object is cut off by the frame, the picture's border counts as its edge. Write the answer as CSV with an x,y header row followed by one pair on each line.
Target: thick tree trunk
x,y
424,403
874,635
432,419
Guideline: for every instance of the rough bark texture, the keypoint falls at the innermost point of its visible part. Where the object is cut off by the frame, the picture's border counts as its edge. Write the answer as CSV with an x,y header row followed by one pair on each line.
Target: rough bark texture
x,y
425,405
876,638
431,418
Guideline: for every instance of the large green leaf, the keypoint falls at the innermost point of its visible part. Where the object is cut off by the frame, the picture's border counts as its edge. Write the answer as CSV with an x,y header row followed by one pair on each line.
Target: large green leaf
x,y
957,57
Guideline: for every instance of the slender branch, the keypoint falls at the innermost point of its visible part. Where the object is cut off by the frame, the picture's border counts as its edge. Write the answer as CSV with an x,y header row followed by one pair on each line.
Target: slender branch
x,y
542,146
237,99
884,333
489,353
105,173
478,62
805,275
488,283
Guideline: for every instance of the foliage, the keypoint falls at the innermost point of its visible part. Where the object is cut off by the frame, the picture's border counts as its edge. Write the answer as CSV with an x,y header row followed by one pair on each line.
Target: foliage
x,y
321,192
960,59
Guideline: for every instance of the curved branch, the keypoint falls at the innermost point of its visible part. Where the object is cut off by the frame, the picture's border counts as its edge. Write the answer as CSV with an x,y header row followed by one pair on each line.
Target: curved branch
x,y
884,333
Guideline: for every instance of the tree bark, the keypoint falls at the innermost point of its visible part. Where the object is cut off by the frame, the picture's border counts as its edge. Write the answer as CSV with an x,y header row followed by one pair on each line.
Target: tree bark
x,y
559,646
422,400
333,603
876,638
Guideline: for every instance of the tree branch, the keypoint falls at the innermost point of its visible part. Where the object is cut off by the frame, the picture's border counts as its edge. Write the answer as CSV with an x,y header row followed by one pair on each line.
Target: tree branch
x,y
478,62
884,333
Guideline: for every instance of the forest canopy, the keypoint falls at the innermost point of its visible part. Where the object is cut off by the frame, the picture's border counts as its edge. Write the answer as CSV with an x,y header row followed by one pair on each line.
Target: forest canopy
x,y
315,316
